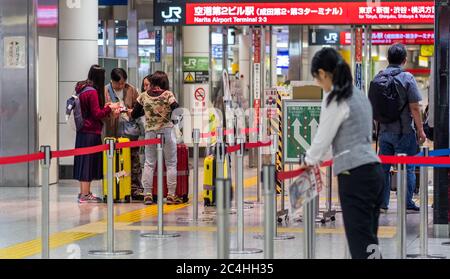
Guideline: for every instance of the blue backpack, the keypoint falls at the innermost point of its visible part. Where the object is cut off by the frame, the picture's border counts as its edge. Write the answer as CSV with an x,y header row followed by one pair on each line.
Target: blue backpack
x,y
73,109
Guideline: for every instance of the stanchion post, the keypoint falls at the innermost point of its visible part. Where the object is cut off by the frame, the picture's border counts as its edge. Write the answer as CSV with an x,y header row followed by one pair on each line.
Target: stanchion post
x,y
259,166
309,229
110,233
424,206
196,140
45,200
220,153
195,218
425,150
329,188
274,149
240,194
269,216
401,210
159,155
222,219
110,250
240,202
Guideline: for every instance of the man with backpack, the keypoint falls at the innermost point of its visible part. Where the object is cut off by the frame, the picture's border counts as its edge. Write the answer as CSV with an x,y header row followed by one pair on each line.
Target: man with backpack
x,y
395,99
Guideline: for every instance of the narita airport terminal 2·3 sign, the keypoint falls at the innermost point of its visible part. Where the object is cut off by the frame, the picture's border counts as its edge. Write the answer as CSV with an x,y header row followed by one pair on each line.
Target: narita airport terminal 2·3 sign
x,y
300,125
290,12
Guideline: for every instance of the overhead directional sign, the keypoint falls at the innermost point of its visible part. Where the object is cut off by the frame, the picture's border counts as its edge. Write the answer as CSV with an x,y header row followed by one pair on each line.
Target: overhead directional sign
x,y
284,12
300,124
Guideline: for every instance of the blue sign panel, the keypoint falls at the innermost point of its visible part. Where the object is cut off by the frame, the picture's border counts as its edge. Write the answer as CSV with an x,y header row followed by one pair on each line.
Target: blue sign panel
x,y
158,37
113,2
358,75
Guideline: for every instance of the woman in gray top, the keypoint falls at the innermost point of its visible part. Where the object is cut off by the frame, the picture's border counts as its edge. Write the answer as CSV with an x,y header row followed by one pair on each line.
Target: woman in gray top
x,y
345,134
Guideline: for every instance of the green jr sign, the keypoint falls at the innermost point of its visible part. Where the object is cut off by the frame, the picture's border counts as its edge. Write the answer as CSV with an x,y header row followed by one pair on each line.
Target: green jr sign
x,y
300,124
195,64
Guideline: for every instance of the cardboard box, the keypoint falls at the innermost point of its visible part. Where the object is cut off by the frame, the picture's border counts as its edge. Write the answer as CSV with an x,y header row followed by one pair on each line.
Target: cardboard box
x,y
307,92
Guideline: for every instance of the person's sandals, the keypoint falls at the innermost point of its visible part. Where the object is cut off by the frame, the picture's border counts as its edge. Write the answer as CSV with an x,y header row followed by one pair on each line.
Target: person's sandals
x,y
148,199
171,199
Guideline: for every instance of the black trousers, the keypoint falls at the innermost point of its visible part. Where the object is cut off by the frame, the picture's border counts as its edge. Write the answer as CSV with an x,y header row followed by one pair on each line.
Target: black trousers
x,y
361,195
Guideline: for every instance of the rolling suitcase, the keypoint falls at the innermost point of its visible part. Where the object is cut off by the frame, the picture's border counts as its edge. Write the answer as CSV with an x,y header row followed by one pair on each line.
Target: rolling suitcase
x,y
122,173
182,189
209,177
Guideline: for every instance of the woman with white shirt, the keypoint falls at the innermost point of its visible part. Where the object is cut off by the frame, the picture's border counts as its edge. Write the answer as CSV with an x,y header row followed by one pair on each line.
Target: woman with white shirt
x,y
345,129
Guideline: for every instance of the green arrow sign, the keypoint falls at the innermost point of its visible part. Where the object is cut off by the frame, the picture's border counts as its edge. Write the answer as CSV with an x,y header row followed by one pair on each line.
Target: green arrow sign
x,y
300,124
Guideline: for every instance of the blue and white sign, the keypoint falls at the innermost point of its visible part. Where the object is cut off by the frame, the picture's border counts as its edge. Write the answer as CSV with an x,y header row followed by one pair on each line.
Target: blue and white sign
x,y
158,38
358,76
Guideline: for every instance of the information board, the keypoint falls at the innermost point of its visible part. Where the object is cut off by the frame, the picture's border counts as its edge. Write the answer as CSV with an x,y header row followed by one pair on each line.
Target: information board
x,y
300,125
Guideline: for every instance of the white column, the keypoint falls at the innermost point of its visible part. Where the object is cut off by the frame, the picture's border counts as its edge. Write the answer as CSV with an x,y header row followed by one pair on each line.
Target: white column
x,y
244,62
274,39
110,37
196,44
78,51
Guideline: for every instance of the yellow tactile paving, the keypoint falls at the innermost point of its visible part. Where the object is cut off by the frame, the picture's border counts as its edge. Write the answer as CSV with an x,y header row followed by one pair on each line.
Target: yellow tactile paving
x,y
33,247
124,222
29,248
384,232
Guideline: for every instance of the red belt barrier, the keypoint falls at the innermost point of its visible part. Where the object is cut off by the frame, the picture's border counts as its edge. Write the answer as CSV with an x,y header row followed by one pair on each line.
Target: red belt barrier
x,y
232,149
228,132
285,175
414,160
137,143
80,151
21,159
257,144
249,130
207,135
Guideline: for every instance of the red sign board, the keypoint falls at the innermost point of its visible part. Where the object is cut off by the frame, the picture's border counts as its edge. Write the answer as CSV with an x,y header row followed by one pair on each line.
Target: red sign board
x,y
421,12
388,37
257,107
257,45
358,44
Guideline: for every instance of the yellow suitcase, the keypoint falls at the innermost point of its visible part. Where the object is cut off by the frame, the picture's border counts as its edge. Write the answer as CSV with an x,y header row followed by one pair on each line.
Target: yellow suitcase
x,y
209,187
122,173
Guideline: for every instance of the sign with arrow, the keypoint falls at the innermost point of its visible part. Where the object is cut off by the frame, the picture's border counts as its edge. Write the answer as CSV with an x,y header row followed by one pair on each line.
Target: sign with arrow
x,y
300,125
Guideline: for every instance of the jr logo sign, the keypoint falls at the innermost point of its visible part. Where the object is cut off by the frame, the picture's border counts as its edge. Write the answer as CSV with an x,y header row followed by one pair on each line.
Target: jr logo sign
x,y
331,37
191,62
73,4
173,11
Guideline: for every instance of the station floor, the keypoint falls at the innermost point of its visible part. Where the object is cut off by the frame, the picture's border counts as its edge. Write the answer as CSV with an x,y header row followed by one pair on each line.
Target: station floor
x,y
76,229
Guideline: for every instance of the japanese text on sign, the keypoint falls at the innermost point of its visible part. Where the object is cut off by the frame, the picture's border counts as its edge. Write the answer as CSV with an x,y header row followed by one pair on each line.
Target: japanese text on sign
x,y
387,37
310,13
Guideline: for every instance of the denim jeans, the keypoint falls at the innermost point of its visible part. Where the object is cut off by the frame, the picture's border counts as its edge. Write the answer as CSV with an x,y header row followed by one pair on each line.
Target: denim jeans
x,y
392,144
170,159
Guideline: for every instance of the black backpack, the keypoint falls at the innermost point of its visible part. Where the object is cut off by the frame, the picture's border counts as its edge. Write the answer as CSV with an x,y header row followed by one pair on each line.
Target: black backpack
x,y
385,97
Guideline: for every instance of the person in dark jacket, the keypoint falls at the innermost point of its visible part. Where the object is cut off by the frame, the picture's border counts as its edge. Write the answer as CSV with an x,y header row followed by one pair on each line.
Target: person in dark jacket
x,y
90,167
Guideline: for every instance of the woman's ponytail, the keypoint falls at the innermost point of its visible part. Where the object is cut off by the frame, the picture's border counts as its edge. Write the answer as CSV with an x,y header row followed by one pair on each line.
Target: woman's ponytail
x,y
330,61
342,82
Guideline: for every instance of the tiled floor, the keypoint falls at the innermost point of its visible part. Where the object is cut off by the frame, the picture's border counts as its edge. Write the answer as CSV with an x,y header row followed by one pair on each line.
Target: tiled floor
x,y
77,229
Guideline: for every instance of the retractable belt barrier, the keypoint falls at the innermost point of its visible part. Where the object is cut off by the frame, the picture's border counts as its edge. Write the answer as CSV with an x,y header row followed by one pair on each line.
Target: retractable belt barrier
x,y
74,152
436,159
45,157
